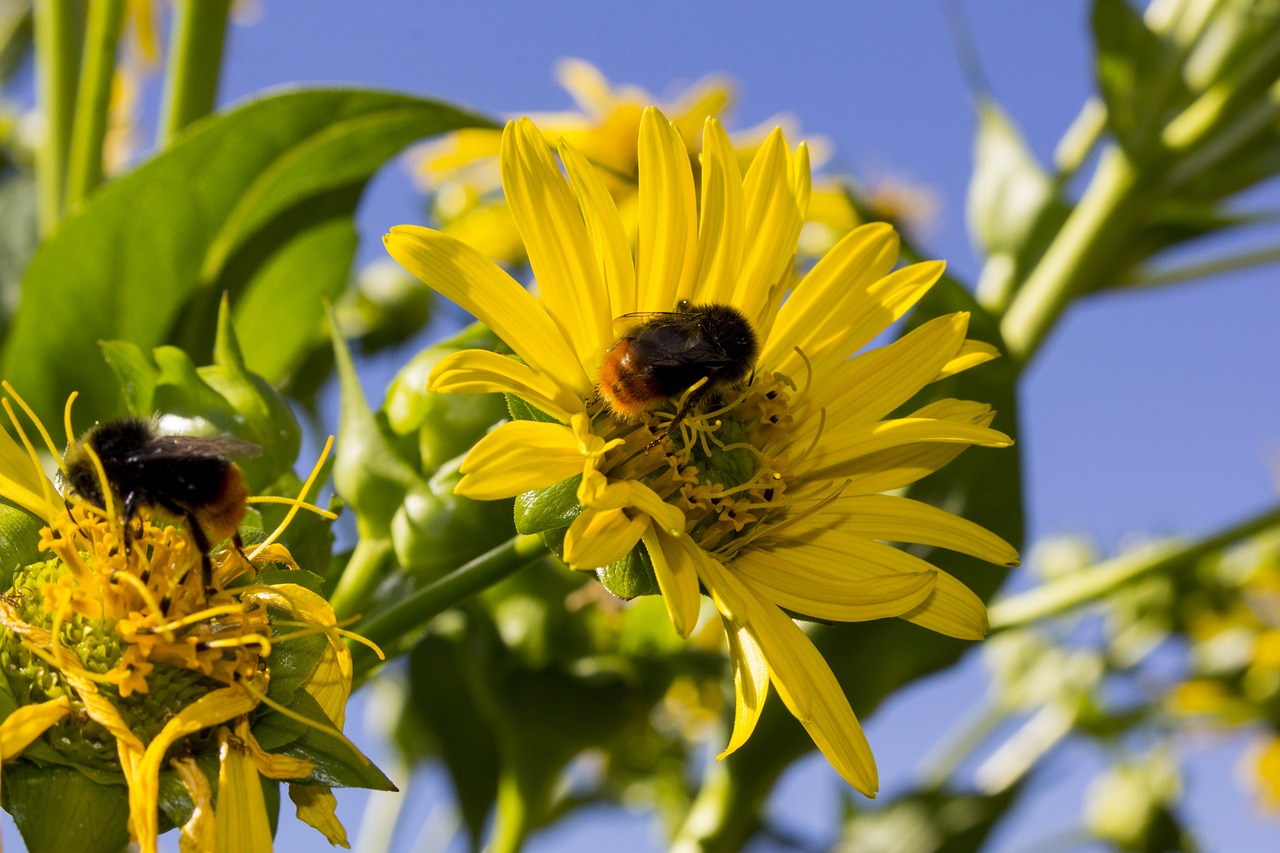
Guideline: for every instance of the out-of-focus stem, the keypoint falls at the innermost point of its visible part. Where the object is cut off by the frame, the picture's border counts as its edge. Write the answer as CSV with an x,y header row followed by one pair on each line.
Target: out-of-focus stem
x,y
58,25
195,61
84,169
1073,590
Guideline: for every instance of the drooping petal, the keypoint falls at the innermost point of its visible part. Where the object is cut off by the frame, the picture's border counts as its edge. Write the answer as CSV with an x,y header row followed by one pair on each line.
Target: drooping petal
x,y
750,684
461,274
20,480
555,238
517,457
673,565
818,308
317,807
27,723
667,248
241,812
720,231
479,372
600,537
604,227
802,678
199,833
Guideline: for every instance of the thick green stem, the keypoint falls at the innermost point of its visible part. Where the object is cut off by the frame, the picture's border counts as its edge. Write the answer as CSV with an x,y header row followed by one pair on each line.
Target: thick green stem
x,y
364,570
1080,259
84,171
392,627
58,27
715,823
195,61
1080,588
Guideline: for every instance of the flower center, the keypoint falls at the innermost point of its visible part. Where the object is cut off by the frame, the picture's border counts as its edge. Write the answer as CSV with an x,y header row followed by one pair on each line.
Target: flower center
x,y
715,464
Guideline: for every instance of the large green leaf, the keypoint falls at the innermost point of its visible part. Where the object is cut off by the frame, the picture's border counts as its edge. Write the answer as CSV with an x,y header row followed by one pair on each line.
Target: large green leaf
x,y
255,202
58,809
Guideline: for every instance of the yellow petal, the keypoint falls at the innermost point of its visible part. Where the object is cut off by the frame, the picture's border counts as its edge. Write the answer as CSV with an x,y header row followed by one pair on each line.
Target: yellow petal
x,y
27,723
818,309
802,678
720,231
480,372
241,812
874,383
667,253
605,228
555,238
898,519
463,275
144,782
600,537
317,807
750,684
772,224
20,480
839,453
517,457
673,566
971,354
199,833
901,466
951,608
840,594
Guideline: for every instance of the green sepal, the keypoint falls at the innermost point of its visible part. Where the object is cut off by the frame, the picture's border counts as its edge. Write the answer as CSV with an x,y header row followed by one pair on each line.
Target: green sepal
x,y
58,809
19,538
292,663
522,411
434,531
630,577
552,508
336,765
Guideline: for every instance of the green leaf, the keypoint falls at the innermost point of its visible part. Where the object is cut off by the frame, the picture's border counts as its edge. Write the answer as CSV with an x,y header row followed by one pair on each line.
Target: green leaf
x,y
218,211
292,663
19,537
135,373
1009,188
336,764
1138,74
552,508
58,809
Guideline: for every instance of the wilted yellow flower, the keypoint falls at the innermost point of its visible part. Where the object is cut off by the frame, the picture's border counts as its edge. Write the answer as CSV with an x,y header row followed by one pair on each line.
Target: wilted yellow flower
x,y
767,497
123,661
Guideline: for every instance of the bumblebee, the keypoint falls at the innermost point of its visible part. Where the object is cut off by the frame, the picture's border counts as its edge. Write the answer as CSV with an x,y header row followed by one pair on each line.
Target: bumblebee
x,y
186,476
666,353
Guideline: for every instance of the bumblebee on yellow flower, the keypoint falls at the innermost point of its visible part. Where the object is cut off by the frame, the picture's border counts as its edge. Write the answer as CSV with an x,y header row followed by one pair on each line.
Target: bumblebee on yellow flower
x,y
768,493
126,664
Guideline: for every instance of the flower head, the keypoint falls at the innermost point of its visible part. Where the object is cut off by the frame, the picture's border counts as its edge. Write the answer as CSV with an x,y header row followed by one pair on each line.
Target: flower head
x,y
766,492
125,660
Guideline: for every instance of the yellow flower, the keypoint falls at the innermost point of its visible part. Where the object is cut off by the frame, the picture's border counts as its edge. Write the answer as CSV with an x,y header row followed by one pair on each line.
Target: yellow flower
x,y
116,655
462,168
768,496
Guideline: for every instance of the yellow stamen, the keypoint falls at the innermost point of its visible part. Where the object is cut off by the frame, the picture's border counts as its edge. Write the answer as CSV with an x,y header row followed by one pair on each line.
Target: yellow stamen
x,y
243,640
141,588
276,499
201,616
306,487
44,434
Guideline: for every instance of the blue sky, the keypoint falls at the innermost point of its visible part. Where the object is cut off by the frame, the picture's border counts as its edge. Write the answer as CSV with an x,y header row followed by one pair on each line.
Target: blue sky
x,y
1145,412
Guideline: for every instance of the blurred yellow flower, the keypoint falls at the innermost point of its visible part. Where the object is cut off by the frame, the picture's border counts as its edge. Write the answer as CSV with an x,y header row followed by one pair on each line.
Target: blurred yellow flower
x,y
766,495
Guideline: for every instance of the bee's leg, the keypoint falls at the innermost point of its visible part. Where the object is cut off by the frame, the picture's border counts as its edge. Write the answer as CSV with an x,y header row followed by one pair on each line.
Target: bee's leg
x,y
692,400
131,504
202,543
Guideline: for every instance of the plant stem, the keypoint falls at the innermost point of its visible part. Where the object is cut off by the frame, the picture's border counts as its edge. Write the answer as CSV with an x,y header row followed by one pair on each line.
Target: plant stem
x,y
57,37
1081,257
84,170
1073,590
363,571
390,627
195,60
